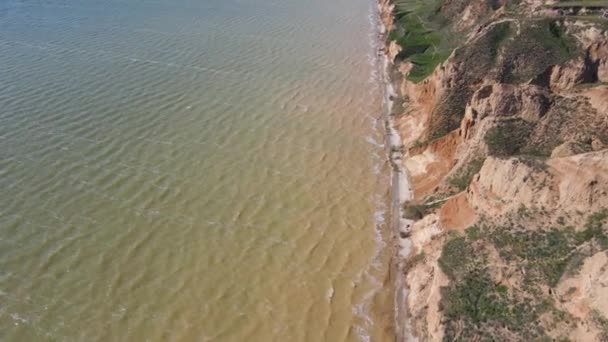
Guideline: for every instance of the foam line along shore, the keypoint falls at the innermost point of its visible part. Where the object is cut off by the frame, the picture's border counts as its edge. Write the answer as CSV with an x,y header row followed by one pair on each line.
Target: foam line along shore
x,y
400,191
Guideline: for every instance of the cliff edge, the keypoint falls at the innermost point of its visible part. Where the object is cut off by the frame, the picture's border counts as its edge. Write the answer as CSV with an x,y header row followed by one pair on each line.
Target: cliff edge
x,y
502,108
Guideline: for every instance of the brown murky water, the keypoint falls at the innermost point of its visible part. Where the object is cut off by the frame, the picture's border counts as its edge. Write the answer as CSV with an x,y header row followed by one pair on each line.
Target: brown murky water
x,y
191,171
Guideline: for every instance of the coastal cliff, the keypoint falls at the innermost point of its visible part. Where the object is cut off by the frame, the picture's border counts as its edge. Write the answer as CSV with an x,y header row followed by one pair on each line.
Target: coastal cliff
x,y
501,108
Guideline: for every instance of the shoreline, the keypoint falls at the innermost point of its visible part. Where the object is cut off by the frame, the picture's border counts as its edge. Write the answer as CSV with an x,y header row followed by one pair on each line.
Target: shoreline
x,y
494,147
400,192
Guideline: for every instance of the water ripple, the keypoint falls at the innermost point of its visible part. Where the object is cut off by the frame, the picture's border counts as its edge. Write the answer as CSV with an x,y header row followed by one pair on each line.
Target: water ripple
x,y
190,171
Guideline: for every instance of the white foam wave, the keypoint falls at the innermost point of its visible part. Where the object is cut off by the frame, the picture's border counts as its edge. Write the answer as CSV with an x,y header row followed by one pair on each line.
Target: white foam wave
x,y
374,142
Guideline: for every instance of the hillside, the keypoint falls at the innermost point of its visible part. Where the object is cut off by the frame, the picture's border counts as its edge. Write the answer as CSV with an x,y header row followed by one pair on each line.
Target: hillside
x,y
502,108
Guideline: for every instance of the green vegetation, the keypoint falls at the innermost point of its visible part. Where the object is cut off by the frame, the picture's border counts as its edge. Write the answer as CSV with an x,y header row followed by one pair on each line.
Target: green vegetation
x,y
476,60
602,323
426,32
462,180
423,42
425,64
420,143
474,305
480,59
595,230
508,138
415,211
543,254
547,254
412,211
413,261
477,307
483,306
496,37
546,38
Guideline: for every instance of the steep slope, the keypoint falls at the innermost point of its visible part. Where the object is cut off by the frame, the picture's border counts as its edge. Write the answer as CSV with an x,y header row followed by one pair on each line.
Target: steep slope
x,y
503,112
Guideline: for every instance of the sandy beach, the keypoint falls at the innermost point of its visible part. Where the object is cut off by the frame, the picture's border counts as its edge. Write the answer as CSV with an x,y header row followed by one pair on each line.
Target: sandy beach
x,y
401,192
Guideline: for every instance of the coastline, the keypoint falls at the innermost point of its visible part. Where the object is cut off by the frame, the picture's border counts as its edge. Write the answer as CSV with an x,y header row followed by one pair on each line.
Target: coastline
x,y
400,192
465,103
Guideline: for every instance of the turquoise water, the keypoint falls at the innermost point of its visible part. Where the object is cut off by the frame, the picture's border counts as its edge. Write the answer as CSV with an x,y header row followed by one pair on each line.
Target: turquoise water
x,y
191,171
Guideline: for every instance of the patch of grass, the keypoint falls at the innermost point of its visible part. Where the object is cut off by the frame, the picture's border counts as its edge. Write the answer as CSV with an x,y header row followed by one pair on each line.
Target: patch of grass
x,y
415,211
476,298
425,64
474,233
595,230
503,53
602,323
420,143
547,254
411,262
523,211
476,61
508,138
423,42
546,38
457,258
496,37
544,254
476,307
462,180
473,304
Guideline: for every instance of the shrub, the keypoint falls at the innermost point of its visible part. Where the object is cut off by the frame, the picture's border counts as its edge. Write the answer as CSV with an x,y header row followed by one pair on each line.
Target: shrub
x,y
463,179
477,60
544,38
414,260
547,254
456,257
413,211
473,304
508,138
544,254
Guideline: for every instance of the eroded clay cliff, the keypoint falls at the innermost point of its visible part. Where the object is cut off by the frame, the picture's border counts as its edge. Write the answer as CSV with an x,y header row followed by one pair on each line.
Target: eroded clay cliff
x,y
507,153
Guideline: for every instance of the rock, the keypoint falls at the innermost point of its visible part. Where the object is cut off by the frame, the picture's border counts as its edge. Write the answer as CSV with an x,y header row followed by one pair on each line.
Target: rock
x,y
569,148
584,295
529,102
598,98
597,145
582,181
589,69
573,183
505,184
393,50
598,58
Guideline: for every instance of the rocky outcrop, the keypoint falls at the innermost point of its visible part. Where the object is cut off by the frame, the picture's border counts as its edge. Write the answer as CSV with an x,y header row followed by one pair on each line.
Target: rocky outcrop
x,y
385,9
598,98
591,68
575,183
585,296
528,102
534,83
501,180
581,181
393,50
430,164
569,148
598,58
